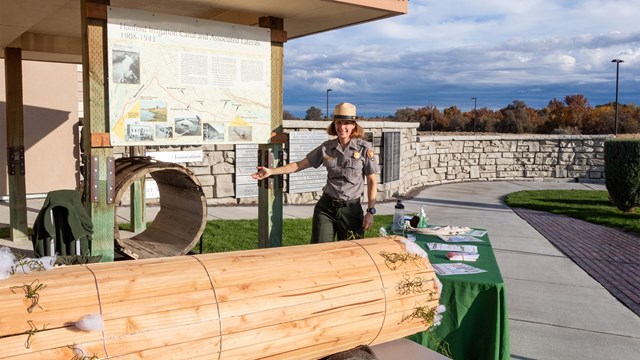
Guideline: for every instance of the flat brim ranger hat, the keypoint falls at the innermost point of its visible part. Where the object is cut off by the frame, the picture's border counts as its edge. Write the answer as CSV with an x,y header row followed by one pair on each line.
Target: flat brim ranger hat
x,y
345,111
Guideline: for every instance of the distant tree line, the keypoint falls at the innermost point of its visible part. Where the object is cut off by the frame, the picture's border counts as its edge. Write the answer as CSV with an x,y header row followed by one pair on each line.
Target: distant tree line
x,y
573,116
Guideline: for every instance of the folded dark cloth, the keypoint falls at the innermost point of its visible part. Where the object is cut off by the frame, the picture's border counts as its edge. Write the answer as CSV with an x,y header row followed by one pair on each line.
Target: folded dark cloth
x,y
63,218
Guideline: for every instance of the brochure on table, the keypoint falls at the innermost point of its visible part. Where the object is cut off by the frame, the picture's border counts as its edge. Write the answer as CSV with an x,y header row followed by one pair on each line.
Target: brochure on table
x,y
459,238
462,256
449,230
449,247
456,269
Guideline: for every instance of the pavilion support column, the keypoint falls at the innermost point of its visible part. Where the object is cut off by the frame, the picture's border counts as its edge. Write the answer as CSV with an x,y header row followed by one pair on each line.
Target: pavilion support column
x,y
15,145
270,190
138,208
99,162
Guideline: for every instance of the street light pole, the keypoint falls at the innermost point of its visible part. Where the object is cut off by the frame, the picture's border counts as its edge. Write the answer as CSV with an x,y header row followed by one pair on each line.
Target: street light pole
x,y
475,113
617,61
327,114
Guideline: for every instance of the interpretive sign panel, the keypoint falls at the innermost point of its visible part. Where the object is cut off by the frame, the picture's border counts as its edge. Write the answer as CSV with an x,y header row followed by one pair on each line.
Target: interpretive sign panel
x,y
246,163
176,80
310,179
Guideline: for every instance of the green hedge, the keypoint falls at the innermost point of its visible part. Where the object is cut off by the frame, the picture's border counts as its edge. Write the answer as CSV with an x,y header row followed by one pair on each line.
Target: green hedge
x,y
622,172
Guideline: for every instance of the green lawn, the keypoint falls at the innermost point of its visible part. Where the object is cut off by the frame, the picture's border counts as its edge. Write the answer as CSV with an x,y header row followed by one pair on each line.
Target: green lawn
x,y
231,235
589,205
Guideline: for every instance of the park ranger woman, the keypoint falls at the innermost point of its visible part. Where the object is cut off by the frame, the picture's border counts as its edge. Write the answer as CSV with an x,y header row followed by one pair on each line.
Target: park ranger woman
x,y
349,160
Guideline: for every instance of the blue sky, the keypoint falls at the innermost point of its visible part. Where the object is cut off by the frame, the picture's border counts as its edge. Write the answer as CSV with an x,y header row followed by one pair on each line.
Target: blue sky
x,y
443,53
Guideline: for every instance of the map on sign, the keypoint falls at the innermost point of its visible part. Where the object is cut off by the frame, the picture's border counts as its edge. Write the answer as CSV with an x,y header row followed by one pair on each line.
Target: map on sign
x,y
176,80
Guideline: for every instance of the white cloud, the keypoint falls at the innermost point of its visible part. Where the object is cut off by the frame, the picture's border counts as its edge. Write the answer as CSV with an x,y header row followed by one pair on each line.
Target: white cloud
x,y
450,49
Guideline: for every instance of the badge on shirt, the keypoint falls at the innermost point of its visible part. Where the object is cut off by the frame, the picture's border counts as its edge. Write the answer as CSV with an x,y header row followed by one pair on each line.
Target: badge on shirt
x,y
356,155
370,153
328,158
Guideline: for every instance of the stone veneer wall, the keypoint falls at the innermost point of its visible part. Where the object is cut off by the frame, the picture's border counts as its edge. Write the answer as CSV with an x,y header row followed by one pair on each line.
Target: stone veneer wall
x,y
442,159
429,160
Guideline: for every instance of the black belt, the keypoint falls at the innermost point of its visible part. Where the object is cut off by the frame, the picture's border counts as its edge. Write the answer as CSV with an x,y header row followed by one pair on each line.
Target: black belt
x,y
339,203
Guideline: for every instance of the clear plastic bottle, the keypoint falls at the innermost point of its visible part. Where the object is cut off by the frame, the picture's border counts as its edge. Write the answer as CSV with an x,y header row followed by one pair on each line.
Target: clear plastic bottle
x,y
398,219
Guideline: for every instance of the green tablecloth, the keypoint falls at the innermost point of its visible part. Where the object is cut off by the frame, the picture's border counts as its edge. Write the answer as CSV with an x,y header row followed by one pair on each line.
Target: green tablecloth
x,y
475,324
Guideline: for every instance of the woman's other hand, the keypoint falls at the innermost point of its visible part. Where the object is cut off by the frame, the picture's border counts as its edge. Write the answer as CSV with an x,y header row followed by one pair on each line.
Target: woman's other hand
x,y
368,221
262,173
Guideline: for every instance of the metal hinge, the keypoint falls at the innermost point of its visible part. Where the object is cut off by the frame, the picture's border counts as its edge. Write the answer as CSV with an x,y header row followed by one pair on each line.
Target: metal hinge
x,y
15,160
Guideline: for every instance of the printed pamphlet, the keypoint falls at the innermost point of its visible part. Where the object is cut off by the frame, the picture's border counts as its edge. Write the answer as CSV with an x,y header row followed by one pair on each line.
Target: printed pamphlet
x,y
459,238
476,233
448,247
456,269
462,256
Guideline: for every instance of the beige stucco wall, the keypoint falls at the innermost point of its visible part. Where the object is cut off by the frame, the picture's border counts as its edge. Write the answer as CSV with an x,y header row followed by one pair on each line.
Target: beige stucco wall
x,y
50,123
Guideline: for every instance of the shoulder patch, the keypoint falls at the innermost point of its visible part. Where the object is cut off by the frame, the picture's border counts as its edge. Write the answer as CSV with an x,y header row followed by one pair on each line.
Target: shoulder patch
x,y
370,153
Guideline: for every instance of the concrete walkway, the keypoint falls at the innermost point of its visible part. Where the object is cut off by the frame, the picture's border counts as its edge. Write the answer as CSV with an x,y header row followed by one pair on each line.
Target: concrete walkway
x,y
556,310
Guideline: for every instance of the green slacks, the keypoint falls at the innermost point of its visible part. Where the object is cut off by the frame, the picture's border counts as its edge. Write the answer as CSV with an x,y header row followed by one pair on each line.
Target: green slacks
x,y
329,221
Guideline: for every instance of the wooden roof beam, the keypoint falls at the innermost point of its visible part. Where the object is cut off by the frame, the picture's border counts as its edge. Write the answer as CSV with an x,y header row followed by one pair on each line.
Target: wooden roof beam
x,y
48,44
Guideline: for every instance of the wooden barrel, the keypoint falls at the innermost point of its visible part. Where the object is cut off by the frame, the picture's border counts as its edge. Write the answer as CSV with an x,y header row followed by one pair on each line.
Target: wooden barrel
x,y
299,302
182,217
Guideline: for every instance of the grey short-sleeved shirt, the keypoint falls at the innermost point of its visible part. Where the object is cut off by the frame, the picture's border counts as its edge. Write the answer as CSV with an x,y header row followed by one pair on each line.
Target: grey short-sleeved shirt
x,y
346,168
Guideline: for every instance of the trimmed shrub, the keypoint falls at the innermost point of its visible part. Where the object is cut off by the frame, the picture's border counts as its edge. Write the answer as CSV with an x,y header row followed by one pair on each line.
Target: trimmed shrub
x,y
622,172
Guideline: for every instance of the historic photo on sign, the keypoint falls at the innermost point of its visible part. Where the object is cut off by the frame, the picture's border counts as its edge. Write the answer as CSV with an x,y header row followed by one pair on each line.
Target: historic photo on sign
x,y
137,131
164,131
188,126
126,66
153,110
212,132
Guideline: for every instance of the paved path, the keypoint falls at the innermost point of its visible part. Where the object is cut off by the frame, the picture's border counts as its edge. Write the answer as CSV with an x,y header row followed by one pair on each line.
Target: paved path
x,y
610,256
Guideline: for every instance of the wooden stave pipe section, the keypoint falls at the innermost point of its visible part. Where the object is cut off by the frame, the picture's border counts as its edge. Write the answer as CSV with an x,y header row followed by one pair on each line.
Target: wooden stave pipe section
x,y
299,302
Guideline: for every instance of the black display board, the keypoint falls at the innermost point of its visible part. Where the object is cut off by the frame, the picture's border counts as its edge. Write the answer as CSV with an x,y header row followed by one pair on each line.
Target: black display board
x,y
390,161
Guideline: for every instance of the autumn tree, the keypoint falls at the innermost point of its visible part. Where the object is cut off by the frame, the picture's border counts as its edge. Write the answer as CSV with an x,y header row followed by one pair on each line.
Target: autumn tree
x,y
427,116
600,120
577,111
553,116
574,115
516,118
471,120
287,115
313,113
457,121
628,118
480,120
423,115
434,120
487,119
406,115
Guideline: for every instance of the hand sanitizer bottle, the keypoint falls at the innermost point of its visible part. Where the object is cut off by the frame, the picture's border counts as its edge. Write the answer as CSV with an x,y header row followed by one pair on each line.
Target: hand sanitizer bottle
x,y
423,218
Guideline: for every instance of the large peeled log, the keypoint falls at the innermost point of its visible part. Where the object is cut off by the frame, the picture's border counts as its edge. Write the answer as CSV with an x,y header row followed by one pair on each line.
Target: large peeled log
x,y
299,302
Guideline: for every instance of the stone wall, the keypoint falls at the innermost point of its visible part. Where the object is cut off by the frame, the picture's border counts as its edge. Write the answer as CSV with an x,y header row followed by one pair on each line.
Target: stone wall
x,y
442,159
427,159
